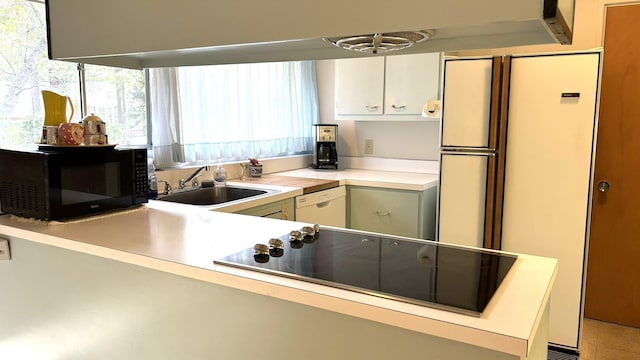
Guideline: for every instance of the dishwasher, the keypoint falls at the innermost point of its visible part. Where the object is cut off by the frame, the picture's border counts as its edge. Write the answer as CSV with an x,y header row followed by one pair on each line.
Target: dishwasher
x,y
326,207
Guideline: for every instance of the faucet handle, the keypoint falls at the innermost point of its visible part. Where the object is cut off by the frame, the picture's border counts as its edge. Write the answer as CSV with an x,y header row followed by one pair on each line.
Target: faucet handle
x,y
195,180
167,187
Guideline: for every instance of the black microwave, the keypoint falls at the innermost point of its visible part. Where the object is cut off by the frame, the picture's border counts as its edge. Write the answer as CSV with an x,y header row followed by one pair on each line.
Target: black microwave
x,y
65,182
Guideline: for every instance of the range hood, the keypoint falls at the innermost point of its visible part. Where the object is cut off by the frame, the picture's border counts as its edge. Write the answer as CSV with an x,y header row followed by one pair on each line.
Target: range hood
x,y
160,33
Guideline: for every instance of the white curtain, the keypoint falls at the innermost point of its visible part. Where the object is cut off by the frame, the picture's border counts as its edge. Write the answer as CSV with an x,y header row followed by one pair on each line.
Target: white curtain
x,y
203,114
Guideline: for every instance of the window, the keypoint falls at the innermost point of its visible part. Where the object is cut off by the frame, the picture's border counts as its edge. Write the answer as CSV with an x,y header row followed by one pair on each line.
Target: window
x,y
25,70
232,112
198,114
115,95
118,97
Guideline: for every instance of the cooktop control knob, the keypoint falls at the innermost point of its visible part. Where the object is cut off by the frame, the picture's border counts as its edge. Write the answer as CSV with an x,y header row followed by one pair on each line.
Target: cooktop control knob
x,y
276,247
295,239
308,234
261,253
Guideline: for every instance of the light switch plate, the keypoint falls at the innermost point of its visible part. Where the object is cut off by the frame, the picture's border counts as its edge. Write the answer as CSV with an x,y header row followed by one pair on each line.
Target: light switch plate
x,y
5,254
368,146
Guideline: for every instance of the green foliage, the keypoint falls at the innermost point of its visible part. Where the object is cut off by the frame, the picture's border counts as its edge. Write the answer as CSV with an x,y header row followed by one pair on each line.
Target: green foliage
x,y
116,95
26,130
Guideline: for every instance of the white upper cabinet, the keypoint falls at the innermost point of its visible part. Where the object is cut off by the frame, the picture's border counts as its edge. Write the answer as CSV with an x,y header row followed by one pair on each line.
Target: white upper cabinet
x,y
410,80
360,86
386,88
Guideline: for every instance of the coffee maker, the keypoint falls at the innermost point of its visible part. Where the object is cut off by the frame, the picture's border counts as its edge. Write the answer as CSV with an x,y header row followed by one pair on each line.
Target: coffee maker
x,y
325,151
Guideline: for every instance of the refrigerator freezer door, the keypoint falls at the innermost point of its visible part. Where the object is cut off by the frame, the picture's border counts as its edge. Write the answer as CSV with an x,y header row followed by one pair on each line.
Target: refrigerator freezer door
x,y
463,195
466,103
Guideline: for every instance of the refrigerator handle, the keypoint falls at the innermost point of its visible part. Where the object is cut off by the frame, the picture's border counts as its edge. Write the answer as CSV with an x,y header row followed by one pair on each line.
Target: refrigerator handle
x,y
466,148
467,151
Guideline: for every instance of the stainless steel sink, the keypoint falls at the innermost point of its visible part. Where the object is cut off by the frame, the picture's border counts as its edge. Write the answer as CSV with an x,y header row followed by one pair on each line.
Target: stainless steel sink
x,y
213,195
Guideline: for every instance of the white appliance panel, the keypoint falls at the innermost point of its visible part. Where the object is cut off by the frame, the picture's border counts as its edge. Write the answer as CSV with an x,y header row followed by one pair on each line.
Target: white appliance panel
x,y
463,180
548,167
466,103
327,207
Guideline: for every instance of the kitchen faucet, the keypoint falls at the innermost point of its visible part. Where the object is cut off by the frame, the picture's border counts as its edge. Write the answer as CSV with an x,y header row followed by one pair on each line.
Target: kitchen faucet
x,y
194,177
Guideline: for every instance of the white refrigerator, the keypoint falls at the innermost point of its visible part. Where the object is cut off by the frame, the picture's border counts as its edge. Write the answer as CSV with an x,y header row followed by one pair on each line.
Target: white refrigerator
x,y
470,156
516,165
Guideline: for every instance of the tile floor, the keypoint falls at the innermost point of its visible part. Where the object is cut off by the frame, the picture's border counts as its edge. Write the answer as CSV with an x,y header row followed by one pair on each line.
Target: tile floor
x,y
606,341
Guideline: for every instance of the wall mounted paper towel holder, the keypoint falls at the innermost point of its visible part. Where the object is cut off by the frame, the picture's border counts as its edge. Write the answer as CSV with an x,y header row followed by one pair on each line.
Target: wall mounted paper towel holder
x,y
432,109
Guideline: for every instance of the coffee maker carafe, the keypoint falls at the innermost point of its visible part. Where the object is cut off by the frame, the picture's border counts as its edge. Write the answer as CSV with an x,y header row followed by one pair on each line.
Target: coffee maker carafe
x,y
325,151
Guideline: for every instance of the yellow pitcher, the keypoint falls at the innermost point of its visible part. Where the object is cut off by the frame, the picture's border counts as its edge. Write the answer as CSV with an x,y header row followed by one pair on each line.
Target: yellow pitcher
x,y
55,108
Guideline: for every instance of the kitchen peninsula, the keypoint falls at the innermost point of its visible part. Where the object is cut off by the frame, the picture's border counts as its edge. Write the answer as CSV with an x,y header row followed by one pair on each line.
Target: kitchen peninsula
x,y
142,283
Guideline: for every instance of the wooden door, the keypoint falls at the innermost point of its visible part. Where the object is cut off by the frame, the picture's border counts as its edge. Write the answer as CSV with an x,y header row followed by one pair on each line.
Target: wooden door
x,y
613,270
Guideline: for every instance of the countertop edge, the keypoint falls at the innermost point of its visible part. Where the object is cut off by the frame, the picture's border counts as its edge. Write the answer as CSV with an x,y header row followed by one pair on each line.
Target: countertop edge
x,y
370,178
435,327
298,292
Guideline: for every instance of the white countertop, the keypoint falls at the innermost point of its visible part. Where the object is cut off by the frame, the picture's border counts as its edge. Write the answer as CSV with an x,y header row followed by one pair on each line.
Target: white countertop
x,y
184,240
375,178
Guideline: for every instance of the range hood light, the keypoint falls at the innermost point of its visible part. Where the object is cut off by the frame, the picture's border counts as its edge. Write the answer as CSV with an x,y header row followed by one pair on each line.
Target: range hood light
x,y
381,42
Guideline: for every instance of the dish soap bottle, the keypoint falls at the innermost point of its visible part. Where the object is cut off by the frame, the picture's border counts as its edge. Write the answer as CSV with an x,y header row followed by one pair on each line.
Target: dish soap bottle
x,y
220,176
153,181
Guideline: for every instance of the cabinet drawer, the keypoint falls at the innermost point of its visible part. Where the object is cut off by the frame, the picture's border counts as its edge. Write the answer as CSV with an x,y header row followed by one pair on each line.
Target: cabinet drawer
x,y
385,211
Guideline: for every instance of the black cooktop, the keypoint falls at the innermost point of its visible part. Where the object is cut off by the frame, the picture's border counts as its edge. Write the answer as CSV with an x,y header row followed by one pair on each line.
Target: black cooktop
x,y
415,271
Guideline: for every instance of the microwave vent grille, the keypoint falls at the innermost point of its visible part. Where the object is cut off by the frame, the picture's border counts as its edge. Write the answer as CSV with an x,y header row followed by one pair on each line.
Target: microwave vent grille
x,y
19,197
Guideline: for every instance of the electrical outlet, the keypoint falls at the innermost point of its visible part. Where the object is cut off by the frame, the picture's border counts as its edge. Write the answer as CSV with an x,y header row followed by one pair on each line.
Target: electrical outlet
x,y
5,254
368,146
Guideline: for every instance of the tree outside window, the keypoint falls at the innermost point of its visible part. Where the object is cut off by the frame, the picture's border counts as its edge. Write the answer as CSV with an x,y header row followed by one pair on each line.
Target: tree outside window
x,y
116,95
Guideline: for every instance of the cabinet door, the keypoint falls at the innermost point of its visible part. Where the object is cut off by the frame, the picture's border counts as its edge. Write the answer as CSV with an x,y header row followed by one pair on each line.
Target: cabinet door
x,y
386,211
410,80
359,86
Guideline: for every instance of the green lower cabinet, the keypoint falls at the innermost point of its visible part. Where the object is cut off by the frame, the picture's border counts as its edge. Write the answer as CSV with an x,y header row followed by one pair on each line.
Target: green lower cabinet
x,y
283,209
392,211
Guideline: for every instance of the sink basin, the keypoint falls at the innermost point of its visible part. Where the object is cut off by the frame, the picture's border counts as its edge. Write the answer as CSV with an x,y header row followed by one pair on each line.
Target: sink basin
x,y
213,195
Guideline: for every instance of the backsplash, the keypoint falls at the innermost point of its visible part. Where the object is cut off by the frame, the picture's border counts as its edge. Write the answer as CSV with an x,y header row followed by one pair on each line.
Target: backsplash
x,y
391,139
384,164
275,165
234,170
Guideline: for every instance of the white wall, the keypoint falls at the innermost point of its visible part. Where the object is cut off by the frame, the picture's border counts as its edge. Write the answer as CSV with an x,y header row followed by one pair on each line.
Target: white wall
x,y
392,139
